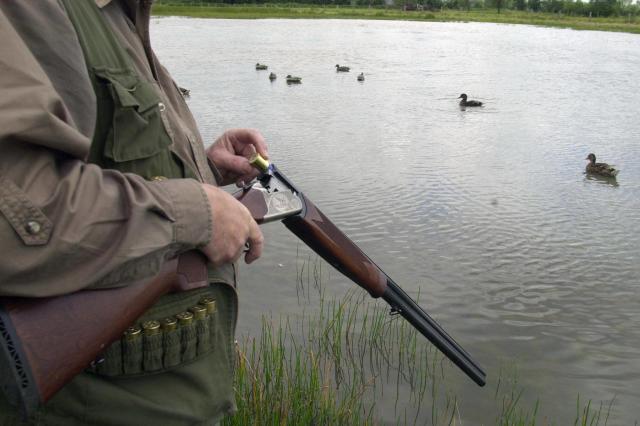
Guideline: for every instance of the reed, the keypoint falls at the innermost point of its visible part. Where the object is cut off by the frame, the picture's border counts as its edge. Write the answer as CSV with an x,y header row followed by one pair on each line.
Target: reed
x,y
342,359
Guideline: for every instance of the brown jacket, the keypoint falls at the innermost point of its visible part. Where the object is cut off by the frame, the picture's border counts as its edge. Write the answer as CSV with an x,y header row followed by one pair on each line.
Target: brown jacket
x,y
66,224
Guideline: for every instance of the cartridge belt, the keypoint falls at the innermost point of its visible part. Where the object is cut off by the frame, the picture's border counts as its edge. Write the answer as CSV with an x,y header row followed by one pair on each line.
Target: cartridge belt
x,y
161,341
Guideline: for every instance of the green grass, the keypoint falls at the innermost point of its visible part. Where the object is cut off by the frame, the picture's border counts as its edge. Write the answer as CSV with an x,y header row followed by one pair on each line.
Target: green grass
x,y
620,24
335,362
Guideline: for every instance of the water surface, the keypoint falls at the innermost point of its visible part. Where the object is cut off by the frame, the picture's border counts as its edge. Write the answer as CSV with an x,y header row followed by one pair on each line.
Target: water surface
x,y
486,212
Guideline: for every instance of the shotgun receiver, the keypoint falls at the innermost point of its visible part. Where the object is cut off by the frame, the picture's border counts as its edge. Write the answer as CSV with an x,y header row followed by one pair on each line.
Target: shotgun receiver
x,y
273,196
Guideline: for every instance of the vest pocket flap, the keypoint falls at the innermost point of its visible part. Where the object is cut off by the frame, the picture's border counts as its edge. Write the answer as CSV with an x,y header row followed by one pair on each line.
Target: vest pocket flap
x,y
137,130
142,96
128,90
124,95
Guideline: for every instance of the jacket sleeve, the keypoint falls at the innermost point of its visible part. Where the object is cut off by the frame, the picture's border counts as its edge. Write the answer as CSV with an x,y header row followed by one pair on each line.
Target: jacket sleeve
x,y
65,224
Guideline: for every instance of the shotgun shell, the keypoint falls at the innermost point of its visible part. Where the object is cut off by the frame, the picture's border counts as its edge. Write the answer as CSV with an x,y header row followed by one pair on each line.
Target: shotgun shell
x,y
151,327
258,162
132,332
169,324
199,312
209,303
184,318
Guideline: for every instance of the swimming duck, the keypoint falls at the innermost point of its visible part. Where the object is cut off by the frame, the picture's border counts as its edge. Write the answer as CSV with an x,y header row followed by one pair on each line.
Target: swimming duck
x,y
361,76
272,76
292,79
602,169
342,68
260,66
464,102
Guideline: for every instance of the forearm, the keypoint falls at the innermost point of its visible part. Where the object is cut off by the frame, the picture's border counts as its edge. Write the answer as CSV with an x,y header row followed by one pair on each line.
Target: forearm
x,y
75,225
65,224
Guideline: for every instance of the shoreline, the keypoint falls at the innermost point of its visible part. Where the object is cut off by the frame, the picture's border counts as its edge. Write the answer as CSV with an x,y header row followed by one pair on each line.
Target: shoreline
x,y
629,24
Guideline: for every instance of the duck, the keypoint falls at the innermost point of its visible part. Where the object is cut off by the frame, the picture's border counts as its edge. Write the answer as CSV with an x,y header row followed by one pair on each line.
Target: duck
x,y
465,103
260,66
292,79
272,76
342,68
361,76
602,169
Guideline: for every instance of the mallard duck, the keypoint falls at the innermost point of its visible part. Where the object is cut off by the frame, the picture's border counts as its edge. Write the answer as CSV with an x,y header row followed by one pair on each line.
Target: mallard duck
x,y
260,66
272,76
342,68
602,169
361,76
464,102
292,79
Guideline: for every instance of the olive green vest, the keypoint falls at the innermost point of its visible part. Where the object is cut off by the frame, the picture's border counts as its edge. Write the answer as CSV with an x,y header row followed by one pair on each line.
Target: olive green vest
x,y
182,371
130,133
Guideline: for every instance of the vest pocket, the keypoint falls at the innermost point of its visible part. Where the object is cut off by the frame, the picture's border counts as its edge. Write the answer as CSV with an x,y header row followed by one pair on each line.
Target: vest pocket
x,y
137,131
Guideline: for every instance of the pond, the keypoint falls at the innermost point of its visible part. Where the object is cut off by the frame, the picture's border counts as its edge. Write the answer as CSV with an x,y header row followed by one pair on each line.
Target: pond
x,y
485,212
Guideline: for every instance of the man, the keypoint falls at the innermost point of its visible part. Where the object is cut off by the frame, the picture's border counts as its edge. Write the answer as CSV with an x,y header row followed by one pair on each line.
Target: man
x,y
103,177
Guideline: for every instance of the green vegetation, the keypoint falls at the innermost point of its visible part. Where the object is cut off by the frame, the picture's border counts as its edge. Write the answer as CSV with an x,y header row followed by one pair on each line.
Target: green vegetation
x,y
547,15
334,364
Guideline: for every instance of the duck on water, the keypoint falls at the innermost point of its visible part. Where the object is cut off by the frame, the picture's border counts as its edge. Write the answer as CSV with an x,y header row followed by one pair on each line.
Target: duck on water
x,y
601,169
465,103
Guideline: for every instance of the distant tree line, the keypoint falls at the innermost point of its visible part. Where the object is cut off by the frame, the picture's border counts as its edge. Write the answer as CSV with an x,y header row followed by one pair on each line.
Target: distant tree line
x,y
592,8
283,2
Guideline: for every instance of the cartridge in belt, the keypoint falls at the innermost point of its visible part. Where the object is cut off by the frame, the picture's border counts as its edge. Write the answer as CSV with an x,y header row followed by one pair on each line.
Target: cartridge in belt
x,y
151,327
209,303
184,318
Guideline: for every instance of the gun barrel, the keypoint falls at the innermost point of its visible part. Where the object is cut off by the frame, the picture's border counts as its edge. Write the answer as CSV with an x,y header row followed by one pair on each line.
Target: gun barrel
x,y
322,236
402,303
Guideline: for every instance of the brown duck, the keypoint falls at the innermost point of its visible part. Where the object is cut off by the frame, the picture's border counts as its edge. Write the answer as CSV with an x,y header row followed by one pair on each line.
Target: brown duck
x,y
602,169
465,103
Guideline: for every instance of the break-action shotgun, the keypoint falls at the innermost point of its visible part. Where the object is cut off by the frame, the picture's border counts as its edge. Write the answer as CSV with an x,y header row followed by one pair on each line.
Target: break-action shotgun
x,y
46,342
273,196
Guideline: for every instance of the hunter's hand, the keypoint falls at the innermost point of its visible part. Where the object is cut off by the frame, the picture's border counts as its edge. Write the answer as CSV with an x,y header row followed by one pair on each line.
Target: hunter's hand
x,y
233,229
231,152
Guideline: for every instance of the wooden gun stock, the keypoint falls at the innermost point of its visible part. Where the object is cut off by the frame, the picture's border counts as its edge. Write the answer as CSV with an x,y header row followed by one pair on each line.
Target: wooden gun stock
x,y
46,342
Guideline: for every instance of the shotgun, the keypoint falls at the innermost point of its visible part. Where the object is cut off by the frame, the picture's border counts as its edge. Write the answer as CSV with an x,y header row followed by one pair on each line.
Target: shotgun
x,y
46,342
273,196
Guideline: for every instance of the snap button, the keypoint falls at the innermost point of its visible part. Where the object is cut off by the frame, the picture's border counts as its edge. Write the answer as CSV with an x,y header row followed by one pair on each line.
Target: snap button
x,y
33,227
162,107
158,178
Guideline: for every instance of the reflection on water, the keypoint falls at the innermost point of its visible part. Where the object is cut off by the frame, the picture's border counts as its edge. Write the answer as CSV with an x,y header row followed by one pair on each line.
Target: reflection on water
x,y
605,180
486,212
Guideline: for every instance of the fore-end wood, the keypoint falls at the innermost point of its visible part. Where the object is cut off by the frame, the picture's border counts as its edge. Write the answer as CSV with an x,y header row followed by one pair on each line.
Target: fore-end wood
x,y
321,235
56,338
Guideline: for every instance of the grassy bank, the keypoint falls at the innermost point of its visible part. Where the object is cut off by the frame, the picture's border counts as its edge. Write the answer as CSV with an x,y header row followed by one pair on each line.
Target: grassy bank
x,y
346,362
621,24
